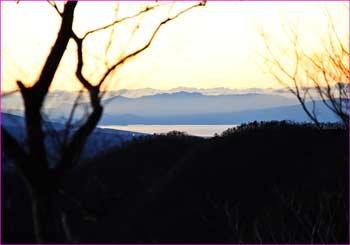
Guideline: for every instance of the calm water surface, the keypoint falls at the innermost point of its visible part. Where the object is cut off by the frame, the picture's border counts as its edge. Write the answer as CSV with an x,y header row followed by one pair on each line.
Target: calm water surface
x,y
198,130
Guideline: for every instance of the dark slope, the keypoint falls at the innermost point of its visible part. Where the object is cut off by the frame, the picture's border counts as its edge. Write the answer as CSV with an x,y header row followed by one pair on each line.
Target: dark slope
x,y
272,182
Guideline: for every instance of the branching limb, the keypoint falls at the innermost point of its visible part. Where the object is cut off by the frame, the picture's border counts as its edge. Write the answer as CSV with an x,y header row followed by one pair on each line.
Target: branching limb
x,y
68,124
54,5
34,96
118,21
46,76
76,144
326,70
145,46
74,148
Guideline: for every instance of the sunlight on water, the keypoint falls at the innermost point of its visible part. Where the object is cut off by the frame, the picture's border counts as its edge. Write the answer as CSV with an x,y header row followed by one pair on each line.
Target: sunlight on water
x,y
198,130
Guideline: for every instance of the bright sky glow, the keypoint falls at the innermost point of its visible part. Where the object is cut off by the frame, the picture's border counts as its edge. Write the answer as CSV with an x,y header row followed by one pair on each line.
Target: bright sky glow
x,y
213,46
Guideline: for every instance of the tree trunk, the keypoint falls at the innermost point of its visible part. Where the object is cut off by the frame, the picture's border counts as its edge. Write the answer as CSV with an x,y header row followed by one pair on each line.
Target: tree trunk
x,y
47,227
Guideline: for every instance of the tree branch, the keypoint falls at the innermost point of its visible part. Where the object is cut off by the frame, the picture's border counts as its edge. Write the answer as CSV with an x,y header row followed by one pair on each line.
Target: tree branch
x,y
42,85
54,5
69,120
73,149
147,9
79,69
138,51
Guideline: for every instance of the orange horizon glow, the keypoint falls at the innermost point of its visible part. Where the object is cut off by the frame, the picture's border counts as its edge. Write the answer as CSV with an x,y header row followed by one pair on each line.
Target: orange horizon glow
x,y
213,46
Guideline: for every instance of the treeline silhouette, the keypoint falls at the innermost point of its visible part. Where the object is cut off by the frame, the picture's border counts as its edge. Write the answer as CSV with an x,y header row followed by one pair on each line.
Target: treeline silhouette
x,y
268,182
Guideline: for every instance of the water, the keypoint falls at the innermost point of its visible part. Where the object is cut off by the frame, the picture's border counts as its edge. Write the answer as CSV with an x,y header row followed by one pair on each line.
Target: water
x,y
197,130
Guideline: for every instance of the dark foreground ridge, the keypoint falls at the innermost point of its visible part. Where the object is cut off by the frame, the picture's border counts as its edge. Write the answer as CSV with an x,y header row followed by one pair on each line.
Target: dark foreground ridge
x,y
274,182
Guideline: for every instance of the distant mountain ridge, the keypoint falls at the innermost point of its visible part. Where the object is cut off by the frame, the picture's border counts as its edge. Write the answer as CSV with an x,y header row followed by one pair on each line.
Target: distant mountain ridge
x,y
14,102
135,93
180,106
291,113
59,105
189,103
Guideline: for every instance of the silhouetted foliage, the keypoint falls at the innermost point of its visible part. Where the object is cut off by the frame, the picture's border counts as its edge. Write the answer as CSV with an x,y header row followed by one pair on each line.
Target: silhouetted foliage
x,y
278,125
177,133
275,182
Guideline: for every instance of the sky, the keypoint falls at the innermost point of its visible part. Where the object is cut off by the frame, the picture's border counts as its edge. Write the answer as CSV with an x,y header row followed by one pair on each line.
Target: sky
x,y
218,45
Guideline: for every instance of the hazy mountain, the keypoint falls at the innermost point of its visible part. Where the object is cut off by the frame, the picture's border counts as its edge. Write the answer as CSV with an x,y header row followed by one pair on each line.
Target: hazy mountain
x,y
186,103
136,93
177,106
292,113
59,103
14,102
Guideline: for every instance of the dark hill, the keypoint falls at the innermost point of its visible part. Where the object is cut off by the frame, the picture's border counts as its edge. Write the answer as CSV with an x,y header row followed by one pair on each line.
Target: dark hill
x,y
273,183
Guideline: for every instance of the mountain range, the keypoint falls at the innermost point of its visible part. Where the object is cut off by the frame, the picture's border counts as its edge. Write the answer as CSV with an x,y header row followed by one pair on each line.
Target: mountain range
x,y
186,106
291,113
14,101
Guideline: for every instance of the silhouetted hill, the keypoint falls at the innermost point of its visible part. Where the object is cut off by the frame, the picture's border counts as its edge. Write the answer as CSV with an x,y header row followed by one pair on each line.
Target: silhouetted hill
x,y
97,142
274,182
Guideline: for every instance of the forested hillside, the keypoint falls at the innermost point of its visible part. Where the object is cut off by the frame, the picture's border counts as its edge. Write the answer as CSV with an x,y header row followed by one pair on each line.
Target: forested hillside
x,y
274,182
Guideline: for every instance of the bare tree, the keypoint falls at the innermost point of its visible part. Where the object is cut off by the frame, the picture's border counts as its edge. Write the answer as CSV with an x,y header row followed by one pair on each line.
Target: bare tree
x,y
321,75
42,181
